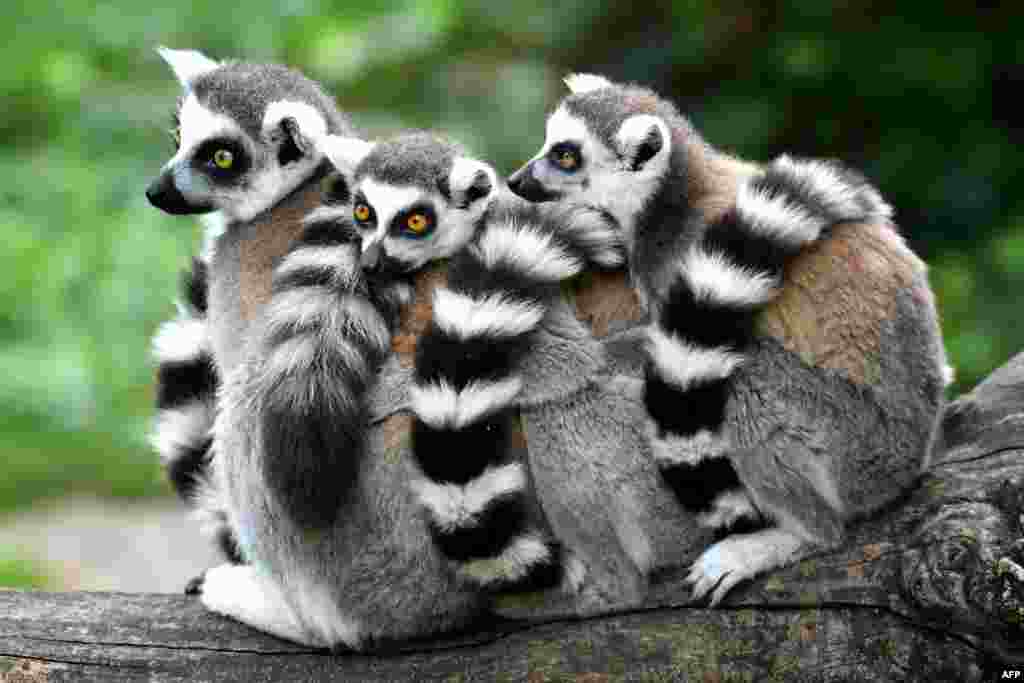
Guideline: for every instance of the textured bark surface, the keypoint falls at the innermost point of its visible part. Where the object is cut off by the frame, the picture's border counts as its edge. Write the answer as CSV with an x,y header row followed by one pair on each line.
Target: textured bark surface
x,y
931,590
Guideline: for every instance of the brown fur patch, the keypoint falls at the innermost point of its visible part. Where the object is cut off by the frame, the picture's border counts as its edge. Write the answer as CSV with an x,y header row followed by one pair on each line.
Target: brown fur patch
x,y
271,236
415,318
838,294
396,430
603,298
713,190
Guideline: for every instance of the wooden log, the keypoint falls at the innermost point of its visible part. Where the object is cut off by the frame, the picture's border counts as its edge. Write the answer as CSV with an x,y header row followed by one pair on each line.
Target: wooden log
x,y
930,590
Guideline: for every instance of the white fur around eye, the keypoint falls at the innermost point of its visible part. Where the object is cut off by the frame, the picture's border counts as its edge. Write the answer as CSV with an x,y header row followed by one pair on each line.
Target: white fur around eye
x,y
199,123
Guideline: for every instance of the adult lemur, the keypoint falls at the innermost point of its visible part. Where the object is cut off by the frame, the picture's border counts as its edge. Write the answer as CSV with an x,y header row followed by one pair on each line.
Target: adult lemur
x,y
313,466
796,367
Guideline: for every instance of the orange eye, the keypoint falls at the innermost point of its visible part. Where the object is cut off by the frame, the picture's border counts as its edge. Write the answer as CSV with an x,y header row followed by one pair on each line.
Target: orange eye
x,y
417,223
567,161
361,212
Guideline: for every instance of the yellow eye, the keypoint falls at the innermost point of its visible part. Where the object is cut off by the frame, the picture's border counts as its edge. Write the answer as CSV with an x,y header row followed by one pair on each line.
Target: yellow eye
x,y
417,223
567,161
223,158
361,212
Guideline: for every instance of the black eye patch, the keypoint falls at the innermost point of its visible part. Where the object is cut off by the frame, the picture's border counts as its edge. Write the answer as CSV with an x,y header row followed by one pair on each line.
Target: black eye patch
x,y
205,154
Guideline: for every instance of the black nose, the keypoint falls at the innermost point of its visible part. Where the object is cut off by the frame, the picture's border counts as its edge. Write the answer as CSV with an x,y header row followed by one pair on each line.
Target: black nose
x,y
163,193
515,181
525,184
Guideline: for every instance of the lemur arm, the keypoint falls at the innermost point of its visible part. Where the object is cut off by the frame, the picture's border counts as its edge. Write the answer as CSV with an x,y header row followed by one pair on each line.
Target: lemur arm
x,y
467,381
704,323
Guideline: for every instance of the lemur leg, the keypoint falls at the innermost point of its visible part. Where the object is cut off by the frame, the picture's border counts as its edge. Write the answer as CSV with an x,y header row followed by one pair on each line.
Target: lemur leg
x,y
740,557
240,592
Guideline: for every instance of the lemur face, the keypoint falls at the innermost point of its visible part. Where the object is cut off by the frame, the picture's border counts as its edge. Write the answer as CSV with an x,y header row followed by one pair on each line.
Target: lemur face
x,y
414,198
605,146
243,135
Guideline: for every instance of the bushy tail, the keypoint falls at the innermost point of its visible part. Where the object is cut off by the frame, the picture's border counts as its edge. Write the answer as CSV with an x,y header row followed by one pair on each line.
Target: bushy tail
x,y
322,342
186,393
466,385
186,388
705,323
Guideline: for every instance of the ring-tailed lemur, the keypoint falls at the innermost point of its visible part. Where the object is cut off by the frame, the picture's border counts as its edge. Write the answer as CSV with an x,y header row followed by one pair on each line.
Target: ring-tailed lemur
x,y
375,573
241,153
416,199
796,368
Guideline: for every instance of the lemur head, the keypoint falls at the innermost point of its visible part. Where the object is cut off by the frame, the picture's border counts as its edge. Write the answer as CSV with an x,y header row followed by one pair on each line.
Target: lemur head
x,y
413,198
608,145
244,136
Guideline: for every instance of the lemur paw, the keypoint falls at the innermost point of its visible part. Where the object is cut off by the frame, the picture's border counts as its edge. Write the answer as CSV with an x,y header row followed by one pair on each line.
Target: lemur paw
x,y
743,556
720,568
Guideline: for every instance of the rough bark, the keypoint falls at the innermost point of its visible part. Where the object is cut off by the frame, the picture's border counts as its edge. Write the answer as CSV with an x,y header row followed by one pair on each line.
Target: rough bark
x,y
931,590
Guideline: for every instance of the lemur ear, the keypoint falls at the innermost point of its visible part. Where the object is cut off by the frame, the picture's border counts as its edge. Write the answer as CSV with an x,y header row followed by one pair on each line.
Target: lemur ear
x,y
187,64
579,83
644,141
344,153
295,127
469,181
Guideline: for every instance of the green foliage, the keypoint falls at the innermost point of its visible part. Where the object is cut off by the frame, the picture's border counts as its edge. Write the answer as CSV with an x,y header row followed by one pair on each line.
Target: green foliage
x,y
921,101
23,574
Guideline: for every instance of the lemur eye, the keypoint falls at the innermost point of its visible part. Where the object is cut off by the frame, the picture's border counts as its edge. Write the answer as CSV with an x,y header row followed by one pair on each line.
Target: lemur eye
x,y
565,156
417,223
361,212
223,159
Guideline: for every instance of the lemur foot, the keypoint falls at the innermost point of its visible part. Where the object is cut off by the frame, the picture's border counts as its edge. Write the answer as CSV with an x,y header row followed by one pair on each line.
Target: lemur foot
x,y
738,558
239,592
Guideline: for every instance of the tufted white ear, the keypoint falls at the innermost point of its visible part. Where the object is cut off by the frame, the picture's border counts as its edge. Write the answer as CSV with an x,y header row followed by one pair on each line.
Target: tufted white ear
x,y
470,180
586,82
344,153
644,141
186,64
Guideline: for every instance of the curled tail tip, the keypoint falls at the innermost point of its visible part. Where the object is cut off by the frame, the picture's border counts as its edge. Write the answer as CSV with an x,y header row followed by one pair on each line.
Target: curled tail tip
x,y
829,189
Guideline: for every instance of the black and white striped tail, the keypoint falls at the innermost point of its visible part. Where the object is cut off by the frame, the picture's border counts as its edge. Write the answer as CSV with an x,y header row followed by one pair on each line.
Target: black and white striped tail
x,y
322,343
466,386
186,393
706,321
186,388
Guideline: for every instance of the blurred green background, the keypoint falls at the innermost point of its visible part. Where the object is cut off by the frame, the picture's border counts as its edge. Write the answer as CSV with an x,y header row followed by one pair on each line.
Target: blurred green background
x,y
920,99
